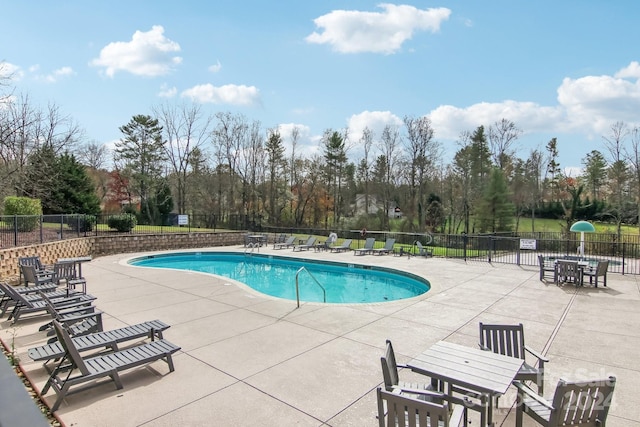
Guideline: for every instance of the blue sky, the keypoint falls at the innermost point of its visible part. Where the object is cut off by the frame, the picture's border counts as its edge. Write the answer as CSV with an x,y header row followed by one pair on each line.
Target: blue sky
x,y
565,69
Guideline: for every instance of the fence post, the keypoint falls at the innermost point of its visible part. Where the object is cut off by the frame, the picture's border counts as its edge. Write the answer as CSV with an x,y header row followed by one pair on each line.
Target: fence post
x,y
624,247
15,230
465,239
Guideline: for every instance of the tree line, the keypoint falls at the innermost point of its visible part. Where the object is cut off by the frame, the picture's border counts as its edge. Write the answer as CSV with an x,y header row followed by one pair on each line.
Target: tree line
x,y
179,159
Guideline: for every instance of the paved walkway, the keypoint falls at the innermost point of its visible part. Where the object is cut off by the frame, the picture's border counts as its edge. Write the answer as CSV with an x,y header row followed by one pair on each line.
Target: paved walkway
x,y
248,359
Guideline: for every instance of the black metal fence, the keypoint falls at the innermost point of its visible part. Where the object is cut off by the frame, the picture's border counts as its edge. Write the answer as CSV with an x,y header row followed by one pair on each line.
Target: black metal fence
x,y
509,248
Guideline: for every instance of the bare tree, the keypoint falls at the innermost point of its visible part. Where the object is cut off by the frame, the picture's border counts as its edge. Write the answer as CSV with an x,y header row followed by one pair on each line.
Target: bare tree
x,y
227,139
93,155
423,153
185,130
293,163
24,130
364,167
618,174
633,157
502,135
388,146
6,77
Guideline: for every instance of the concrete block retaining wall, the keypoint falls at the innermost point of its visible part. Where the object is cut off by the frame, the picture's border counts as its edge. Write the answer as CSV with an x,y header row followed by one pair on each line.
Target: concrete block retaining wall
x,y
108,245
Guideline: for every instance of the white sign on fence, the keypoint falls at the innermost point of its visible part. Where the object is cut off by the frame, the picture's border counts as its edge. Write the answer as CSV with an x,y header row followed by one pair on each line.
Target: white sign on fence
x,y
183,219
529,244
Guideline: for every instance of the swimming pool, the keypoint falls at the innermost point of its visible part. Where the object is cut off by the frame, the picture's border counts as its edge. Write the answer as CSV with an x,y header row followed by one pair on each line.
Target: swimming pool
x,y
276,276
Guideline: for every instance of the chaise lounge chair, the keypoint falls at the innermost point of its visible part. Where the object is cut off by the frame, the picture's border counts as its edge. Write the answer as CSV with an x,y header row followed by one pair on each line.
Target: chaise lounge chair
x,y
105,365
30,292
367,248
386,249
345,246
422,251
23,305
79,320
306,246
286,244
106,339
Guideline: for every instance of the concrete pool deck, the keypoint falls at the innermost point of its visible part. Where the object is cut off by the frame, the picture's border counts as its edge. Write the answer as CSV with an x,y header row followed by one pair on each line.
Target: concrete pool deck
x,y
249,359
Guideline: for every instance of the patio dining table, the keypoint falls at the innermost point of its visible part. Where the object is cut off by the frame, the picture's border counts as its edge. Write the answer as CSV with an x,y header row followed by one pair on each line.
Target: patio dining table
x,y
466,368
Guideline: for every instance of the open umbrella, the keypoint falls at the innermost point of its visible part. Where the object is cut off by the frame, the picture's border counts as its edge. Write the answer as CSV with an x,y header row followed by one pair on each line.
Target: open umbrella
x,y
582,227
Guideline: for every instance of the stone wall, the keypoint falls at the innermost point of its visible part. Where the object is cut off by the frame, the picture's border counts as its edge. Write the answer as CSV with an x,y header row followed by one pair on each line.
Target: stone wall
x,y
96,246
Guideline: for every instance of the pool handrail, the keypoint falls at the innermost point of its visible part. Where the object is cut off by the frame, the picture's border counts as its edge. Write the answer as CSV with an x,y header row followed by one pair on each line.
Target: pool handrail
x,y
324,292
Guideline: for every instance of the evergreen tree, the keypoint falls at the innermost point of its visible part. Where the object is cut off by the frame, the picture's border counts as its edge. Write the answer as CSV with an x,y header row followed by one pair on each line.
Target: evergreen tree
x,y
274,148
73,191
595,172
140,157
495,211
336,160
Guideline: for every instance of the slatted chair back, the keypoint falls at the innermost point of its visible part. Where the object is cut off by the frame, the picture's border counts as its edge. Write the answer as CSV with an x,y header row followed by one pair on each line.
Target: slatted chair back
x,y
401,410
389,368
546,266
582,403
601,269
30,275
507,340
568,271
31,260
64,272
369,243
70,349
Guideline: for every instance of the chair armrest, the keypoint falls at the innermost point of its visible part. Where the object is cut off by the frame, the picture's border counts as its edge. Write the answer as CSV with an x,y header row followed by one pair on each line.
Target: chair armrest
x,y
523,389
536,354
79,309
419,391
74,319
62,307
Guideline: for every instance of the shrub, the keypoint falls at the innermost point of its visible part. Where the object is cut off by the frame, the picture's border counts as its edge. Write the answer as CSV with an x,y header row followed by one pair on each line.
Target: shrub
x,y
81,223
29,211
124,222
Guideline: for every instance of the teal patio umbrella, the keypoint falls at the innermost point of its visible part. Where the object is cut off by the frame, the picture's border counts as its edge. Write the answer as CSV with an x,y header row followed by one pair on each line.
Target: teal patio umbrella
x,y
582,227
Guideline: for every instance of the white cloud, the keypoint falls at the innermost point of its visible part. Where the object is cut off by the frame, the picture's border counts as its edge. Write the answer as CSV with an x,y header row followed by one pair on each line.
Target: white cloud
x,y
10,71
167,92
449,121
215,67
374,120
147,54
58,74
227,94
631,70
307,144
587,105
593,103
350,31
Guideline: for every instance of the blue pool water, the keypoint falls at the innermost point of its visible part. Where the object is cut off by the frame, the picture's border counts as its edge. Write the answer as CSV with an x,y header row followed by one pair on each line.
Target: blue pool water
x,y
275,276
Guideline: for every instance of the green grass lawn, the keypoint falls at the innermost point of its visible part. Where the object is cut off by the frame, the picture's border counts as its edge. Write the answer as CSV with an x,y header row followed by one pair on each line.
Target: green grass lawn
x,y
555,225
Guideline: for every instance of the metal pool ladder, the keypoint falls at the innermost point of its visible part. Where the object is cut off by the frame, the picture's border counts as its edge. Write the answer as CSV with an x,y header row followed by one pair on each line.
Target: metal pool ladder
x,y
324,292
251,246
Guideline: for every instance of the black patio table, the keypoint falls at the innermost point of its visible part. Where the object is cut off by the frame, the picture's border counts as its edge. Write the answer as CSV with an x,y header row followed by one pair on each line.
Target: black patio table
x,y
466,368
